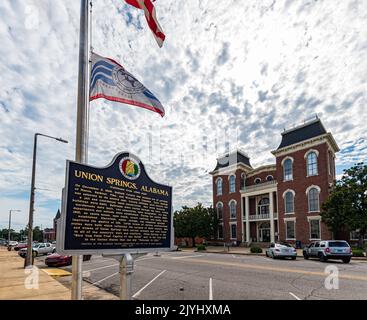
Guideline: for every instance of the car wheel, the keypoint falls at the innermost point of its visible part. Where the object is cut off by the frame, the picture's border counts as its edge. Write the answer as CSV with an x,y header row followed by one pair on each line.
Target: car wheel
x,y
35,253
346,260
273,255
294,258
322,258
305,256
54,250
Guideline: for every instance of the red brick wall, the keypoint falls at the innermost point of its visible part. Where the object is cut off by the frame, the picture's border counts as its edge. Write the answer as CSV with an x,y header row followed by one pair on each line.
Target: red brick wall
x,y
225,198
299,184
262,175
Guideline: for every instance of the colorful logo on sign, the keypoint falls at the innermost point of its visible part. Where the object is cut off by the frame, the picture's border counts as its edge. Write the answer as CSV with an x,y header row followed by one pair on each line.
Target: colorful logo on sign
x,y
129,168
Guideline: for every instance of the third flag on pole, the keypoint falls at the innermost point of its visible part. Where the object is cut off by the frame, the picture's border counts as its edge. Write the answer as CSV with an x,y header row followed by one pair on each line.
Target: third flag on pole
x,y
110,80
150,15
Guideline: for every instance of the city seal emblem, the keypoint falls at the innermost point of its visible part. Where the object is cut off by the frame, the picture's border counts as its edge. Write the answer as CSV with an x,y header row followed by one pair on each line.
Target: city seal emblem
x,y
129,168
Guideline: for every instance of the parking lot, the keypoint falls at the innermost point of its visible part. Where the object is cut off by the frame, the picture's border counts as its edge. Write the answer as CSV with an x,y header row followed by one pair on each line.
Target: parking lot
x,y
194,275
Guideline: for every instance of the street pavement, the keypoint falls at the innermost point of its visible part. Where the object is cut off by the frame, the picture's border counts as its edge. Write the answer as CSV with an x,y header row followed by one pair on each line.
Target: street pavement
x,y
195,275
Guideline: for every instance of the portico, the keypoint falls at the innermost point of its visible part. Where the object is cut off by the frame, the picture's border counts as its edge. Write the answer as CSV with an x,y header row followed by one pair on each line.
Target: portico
x,y
259,212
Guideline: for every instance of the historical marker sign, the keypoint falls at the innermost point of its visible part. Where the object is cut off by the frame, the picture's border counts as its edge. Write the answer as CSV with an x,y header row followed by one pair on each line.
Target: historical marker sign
x,y
116,209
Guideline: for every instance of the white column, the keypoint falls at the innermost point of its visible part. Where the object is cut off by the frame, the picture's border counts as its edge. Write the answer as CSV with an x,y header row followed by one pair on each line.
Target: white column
x,y
242,227
247,212
271,211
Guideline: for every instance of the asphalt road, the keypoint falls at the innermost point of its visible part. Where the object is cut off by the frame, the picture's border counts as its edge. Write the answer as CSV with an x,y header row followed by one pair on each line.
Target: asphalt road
x,y
187,275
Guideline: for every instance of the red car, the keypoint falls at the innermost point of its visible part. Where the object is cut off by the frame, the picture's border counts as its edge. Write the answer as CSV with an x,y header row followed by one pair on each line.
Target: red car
x,y
20,246
57,260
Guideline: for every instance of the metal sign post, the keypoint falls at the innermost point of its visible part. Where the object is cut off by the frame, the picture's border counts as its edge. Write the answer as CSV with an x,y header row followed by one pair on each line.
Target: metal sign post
x,y
126,273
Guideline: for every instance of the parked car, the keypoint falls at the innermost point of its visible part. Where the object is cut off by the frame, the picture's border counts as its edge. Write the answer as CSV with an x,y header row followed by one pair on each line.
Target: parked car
x,y
281,250
13,243
57,260
38,249
331,249
20,245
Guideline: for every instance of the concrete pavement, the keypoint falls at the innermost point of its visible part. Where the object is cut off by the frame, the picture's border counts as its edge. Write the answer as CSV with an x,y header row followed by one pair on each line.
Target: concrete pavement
x,y
14,281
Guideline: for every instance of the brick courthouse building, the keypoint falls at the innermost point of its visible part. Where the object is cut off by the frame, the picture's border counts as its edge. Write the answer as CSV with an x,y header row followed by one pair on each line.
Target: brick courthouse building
x,y
281,201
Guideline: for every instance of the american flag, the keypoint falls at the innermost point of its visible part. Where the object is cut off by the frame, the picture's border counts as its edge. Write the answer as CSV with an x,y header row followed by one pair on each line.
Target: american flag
x,y
150,15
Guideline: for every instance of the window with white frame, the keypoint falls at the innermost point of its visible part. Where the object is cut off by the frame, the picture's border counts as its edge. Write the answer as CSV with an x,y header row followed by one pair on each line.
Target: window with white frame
x,y
220,231
233,231
263,205
220,211
257,180
290,229
232,209
269,178
289,202
219,186
313,200
232,184
288,169
312,164
315,229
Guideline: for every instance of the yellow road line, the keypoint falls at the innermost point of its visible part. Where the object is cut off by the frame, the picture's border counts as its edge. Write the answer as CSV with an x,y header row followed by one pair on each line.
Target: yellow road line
x,y
268,268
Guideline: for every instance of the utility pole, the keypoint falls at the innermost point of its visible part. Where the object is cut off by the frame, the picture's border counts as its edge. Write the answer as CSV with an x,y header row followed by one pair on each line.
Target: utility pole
x,y
81,150
28,258
9,232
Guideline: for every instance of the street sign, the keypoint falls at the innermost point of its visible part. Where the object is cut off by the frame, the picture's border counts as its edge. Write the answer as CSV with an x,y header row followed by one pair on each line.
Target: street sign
x,y
117,209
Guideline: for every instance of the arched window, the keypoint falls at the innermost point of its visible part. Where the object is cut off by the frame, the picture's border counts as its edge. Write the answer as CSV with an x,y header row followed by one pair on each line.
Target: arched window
x,y
313,200
219,187
232,209
312,164
289,202
288,169
263,206
257,180
232,184
243,180
220,210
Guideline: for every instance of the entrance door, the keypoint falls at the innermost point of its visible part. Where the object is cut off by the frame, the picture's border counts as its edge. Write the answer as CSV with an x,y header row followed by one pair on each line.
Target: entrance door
x,y
265,235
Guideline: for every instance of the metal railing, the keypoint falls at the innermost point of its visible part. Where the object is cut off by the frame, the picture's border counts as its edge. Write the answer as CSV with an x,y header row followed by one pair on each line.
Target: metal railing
x,y
261,216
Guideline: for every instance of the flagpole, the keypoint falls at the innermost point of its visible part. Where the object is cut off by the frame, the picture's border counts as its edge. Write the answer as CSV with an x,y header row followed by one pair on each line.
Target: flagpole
x,y
81,149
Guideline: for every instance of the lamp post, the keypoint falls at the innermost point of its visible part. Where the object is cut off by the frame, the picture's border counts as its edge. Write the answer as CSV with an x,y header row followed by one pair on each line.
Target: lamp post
x,y
9,233
28,258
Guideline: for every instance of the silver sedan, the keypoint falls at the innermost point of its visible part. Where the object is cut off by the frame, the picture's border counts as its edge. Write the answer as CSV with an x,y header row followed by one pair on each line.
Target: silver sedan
x,y
281,250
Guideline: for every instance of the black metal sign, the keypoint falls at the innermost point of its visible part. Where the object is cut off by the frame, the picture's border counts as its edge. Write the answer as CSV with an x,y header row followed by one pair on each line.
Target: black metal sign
x,y
116,209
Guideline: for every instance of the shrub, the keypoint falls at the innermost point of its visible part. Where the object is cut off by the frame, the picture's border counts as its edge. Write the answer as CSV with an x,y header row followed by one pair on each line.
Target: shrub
x,y
256,250
357,252
200,247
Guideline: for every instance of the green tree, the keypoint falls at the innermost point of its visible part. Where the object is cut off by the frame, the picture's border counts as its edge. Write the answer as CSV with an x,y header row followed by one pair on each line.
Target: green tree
x,y
347,203
195,222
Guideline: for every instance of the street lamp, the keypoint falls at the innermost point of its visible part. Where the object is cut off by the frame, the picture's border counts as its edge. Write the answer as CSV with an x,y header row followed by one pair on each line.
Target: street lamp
x,y
9,233
28,258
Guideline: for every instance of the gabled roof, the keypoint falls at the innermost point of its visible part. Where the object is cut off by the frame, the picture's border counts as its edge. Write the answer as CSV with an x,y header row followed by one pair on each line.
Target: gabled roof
x,y
232,158
304,132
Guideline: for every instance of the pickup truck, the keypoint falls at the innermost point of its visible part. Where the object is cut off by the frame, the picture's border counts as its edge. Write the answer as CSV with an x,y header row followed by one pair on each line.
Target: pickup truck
x,y
38,249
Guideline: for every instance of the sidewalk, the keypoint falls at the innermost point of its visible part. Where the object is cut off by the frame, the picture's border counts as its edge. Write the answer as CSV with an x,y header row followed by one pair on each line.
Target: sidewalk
x,y
13,277
245,251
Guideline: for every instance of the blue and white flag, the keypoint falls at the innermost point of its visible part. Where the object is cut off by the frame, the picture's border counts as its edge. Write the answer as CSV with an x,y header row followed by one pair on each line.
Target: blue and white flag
x,y
110,80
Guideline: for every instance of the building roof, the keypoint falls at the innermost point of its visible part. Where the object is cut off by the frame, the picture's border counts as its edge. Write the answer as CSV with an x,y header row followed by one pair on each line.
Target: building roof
x,y
58,214
304,132
230,158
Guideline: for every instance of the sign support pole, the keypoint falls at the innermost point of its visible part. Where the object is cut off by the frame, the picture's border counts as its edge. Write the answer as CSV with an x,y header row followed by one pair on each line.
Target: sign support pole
x,y
82,126
126,273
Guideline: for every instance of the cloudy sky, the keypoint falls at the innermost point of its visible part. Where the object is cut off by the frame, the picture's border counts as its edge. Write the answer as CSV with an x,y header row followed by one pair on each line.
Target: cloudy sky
x,y
230,73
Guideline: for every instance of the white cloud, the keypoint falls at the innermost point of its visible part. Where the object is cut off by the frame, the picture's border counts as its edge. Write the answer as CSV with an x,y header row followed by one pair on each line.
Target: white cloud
x,y
245,69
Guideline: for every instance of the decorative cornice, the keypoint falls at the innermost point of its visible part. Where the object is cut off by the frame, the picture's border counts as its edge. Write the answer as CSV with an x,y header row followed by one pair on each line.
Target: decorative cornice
x,y
327,137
